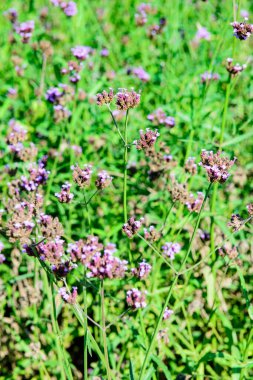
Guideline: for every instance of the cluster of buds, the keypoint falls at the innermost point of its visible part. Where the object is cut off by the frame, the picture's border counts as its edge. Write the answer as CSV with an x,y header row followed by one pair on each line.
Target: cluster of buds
x,y
82,176
69,8
82,52
25,30
67,296
242,30
132,226
156,29
136,299
73,70
236,222
147,140
234,70
216,165
38,175
105,97
82,251
141,16
250,209
139,73
194,204
58,96
15,140
170,249
12,15
151,234
229,251
142,271
207,77
178,191
202,34
106,265
20,225
51,251
127,99
103,180
50,227
167,313
65,196
190,166
159,117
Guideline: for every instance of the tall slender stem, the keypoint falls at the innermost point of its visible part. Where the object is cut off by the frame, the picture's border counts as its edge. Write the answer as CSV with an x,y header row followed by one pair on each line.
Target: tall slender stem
x,y
125,170
157,327
108,370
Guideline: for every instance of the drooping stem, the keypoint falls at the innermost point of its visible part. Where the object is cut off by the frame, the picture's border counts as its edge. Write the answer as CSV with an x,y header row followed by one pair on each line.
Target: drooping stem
x,y
157,327
125,170
108,370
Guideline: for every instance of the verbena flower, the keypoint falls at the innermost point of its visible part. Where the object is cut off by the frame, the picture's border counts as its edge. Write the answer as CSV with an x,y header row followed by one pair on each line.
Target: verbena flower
x,y
105,97
242,30
250,208
50,227
235,222
191,166
25,30
53,94
170,249
127,99
67,296
229,251
62,268
65,196
202,34
2,258
216,165
208,77
151,234
103,180
140,73
132,226
194,204
70,9
147,139
136,299
84,250
167,313
51,251
142,271
82,176
159,117
234,70
81,52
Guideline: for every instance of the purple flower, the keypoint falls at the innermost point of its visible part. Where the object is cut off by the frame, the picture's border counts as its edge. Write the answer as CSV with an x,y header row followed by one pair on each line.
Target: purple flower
x,y
127,99
2,258
147,139
202,34
132,226
53,94
140,73
65,196
81,52
167,313
70,9
242,31
67,296
25,30
159,117
142,271
136,299
216,165
103,180
170,249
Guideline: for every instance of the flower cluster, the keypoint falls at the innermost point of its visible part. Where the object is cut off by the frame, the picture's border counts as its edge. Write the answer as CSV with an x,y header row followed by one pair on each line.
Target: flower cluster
x,y
136,299
178,191
132,226
139,73
202,34
142,271
51,250
170,249
216,165
73,70
156,29
234,70
54,94
105,265
167,313
82,176
242,30
141,16
190,166
159,117
105,97
82,251
103,180
2,257
147,140
38,175
151,234
67,296
25,30
50,227
250,208
194,204
127,99
65,196
236,222
81,52
69,8
229,251
207,77
21,224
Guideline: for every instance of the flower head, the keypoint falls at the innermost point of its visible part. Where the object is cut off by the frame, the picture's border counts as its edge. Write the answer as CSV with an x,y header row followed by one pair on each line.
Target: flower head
x,y
170,249
167,313
136,299
147,139
81,52
103,180
127,99
82,176
132,226
105,97
142,271
242,30
216,165
65,196
67,296
236,69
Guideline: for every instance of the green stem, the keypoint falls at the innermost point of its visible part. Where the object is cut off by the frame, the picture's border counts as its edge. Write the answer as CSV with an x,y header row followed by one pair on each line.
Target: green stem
x,y
157,327
125,170
85,326
108,370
